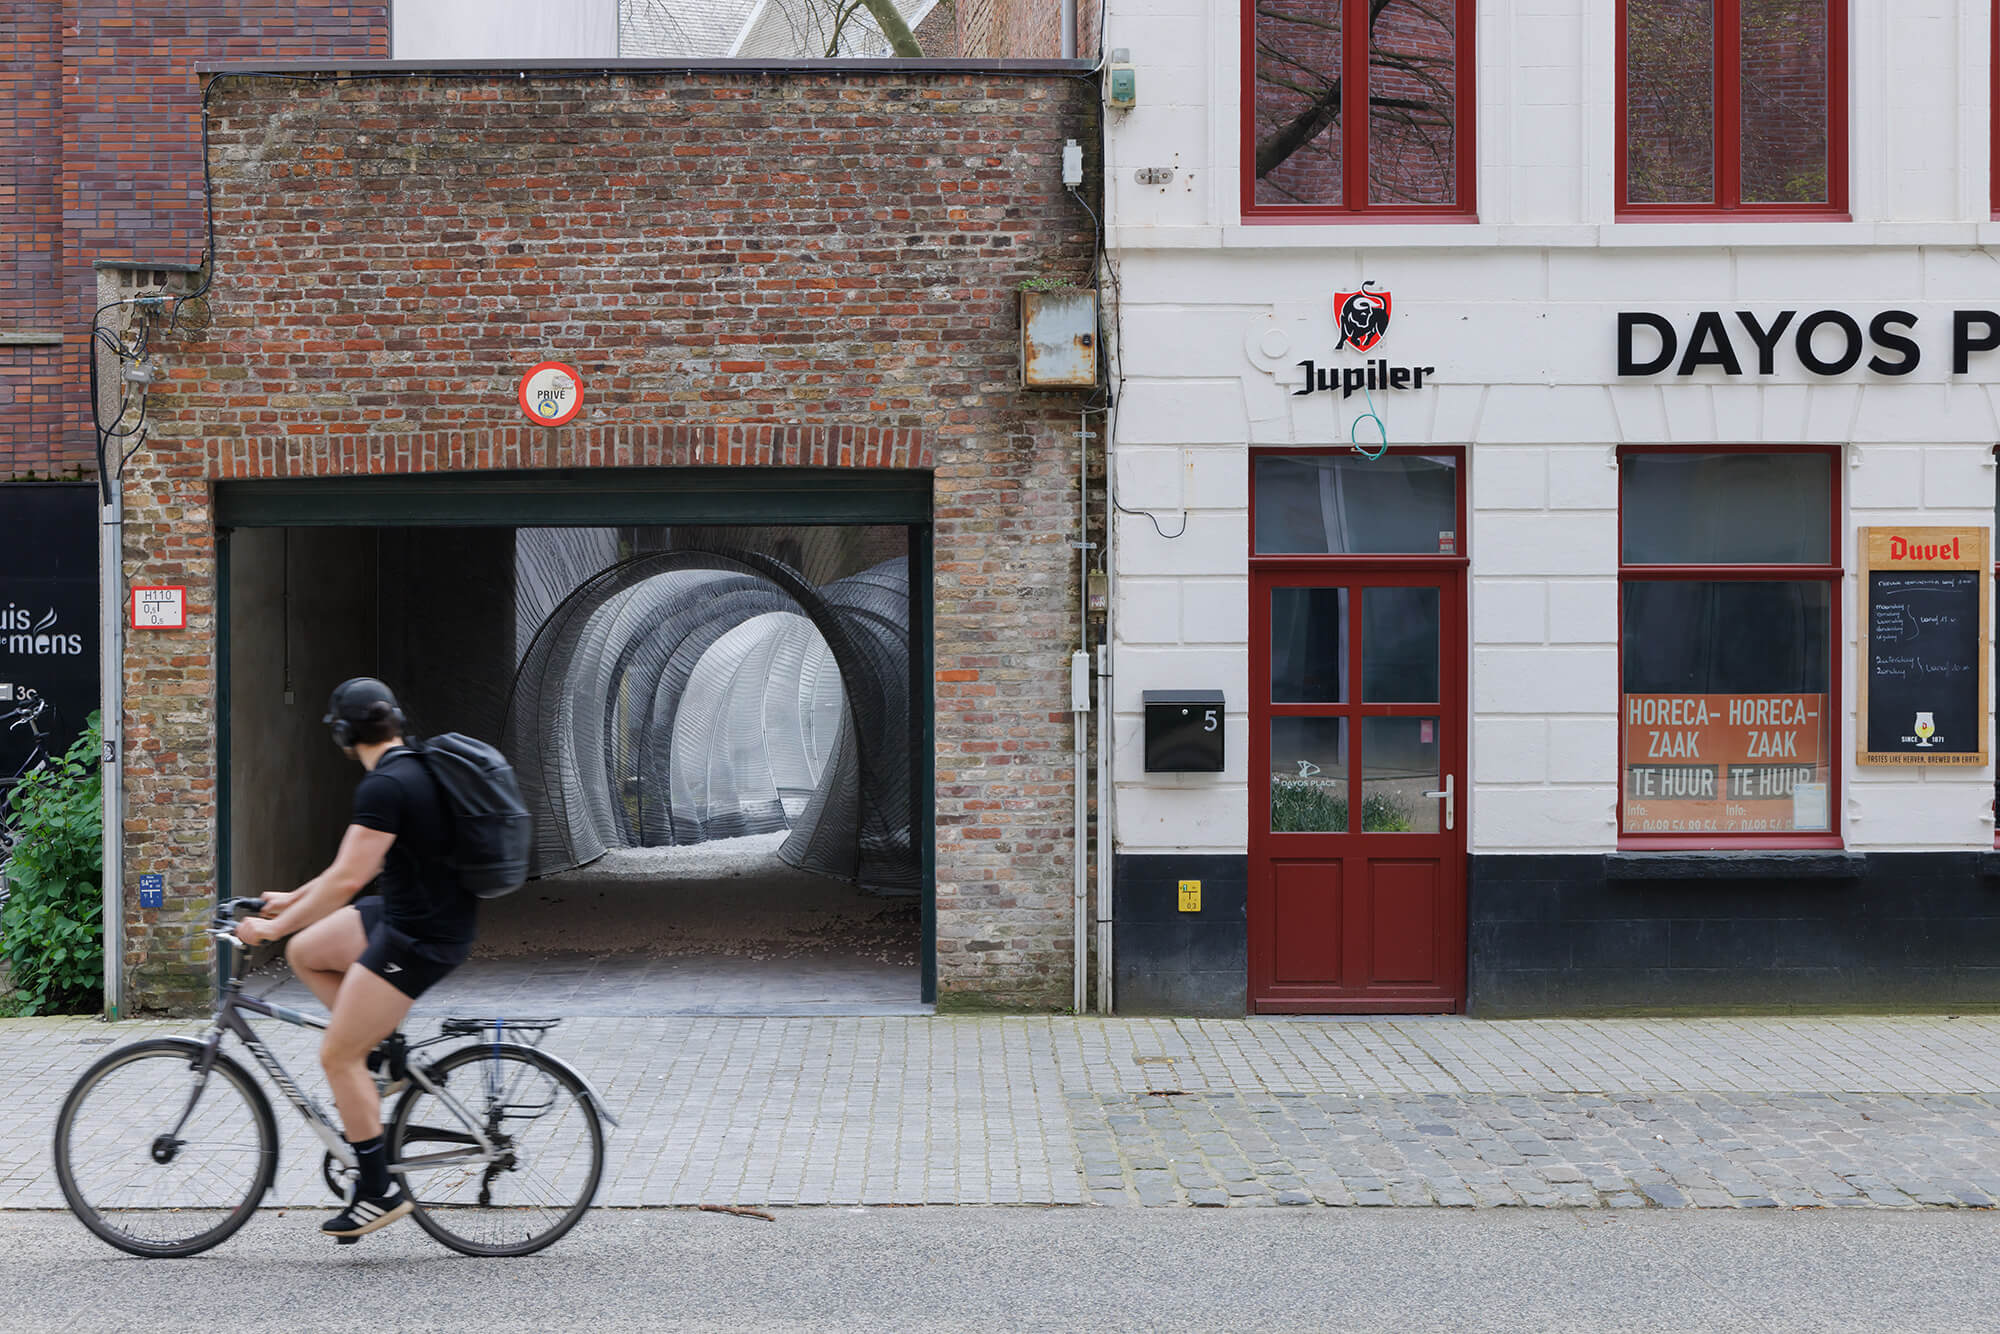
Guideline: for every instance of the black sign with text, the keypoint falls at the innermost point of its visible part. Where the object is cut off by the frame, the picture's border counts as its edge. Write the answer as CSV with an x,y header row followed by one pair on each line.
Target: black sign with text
x,y
48,616
1923,661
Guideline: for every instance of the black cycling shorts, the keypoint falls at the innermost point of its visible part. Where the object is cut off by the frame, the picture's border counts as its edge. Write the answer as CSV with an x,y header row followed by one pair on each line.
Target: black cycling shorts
x,y
409,965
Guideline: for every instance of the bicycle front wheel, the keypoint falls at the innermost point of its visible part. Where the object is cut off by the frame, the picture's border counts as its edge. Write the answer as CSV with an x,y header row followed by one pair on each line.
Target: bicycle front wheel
x,y
548,1150
141,1184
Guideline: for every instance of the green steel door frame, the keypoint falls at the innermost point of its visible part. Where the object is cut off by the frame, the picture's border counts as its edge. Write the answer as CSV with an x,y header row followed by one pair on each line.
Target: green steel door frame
x,y
583,498
923,744
220,656
616,497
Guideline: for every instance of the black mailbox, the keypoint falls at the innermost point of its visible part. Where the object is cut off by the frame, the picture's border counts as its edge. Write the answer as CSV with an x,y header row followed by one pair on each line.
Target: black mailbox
x,y
1183,731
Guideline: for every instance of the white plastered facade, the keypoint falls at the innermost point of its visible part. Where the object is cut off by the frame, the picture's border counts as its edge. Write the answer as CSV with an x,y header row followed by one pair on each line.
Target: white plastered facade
x,y
1518,314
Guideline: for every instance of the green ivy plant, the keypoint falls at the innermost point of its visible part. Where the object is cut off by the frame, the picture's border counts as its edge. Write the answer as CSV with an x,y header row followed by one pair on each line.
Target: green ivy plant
x,y
51,929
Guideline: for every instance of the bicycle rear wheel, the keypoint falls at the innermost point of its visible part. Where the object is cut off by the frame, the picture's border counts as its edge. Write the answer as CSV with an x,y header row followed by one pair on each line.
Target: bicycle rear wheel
x,y
550,1160
149,1193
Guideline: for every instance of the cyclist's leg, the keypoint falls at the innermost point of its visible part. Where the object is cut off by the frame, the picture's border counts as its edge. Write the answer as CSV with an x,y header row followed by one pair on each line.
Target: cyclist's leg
x,y
366,1010
321,954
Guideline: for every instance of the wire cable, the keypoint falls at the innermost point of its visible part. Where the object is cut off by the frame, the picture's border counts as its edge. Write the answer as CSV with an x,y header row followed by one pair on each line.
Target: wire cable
x,y
1354,430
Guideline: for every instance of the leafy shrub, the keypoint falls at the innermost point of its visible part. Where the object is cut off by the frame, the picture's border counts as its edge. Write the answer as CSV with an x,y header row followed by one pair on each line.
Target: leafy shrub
x,y
52,929
1304,807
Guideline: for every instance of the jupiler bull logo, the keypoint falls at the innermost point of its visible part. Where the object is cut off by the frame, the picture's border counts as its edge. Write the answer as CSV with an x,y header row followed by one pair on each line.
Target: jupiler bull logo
x,y
1362,317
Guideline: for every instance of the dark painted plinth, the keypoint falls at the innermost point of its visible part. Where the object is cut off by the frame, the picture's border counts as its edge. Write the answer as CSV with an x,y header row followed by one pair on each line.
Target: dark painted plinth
x,y
1166,961
1590,934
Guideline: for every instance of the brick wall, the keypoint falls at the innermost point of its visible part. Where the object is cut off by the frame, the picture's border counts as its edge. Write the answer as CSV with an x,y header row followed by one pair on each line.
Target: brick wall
x,y
774,271
31,302
1021,29
100,159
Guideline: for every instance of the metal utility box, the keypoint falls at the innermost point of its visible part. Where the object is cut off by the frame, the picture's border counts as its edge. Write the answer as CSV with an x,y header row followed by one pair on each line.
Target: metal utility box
x,y
1059,339
1184,731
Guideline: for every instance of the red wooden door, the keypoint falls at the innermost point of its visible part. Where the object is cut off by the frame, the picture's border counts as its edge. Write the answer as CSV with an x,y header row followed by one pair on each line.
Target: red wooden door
x,y
1357,842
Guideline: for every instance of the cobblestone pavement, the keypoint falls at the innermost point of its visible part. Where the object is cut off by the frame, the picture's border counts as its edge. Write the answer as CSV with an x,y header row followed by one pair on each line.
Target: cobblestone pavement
x,y
1875,1111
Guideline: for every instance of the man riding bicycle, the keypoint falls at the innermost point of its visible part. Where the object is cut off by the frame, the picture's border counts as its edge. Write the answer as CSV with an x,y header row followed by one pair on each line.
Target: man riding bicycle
x,y
406,938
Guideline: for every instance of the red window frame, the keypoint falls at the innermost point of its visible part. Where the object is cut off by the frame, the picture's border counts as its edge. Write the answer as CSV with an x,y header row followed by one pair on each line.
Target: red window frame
x,y
1833,573
1727,68
1354,131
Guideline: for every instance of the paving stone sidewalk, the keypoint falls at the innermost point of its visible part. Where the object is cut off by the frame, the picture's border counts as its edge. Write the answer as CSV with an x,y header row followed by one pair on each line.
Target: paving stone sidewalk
x,y
1867,1111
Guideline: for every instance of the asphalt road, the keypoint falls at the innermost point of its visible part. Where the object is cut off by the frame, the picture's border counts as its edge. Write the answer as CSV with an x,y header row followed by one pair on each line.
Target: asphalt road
x,y
1036,1268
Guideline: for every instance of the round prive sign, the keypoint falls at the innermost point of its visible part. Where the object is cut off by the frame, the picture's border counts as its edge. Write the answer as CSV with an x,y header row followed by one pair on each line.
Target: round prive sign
x,y
551,393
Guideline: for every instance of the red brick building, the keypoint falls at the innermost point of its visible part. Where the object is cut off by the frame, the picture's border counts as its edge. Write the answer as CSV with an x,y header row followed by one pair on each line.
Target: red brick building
x,y
778,279
100,160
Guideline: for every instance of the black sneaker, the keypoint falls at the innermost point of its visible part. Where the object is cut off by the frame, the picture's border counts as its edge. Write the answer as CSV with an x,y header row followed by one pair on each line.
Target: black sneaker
x,y
367,1213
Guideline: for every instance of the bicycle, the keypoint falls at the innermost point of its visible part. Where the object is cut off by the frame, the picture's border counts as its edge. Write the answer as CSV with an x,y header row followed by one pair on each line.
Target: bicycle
x,y
522,1168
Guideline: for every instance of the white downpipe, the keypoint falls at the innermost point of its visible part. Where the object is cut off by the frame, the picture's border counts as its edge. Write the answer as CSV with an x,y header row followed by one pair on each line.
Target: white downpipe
x,y
1104,732
111,691
1069,29
1080,929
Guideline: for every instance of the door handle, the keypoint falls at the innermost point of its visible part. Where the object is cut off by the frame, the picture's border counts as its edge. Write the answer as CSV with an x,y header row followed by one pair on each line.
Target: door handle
x,y
1449,793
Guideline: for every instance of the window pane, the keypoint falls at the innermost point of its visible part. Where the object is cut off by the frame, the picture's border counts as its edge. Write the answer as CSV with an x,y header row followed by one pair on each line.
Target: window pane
x,y
1726,636
1413,102
1727,728
1670,101
1784,101
1308,775
1399,645
1399,763
1331,504
1297,102
1308,645
1737,509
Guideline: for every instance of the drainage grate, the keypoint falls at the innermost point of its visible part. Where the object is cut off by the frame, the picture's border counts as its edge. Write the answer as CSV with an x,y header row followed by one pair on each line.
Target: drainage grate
x,y
95,1042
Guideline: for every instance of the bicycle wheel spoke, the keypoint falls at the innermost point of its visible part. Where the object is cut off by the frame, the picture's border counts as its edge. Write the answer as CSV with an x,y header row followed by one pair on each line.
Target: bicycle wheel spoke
x,y
140,1107
548,1161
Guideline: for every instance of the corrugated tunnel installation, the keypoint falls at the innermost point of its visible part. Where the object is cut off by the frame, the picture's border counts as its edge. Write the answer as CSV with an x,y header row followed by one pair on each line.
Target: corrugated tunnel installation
x,y
711,691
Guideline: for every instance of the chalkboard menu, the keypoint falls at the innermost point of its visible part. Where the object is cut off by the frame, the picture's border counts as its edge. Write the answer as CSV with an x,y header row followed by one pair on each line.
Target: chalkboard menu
x,y
1924,614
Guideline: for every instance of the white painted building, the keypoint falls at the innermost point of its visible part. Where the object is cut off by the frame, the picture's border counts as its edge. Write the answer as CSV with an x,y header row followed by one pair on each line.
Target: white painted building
x,y
1810,877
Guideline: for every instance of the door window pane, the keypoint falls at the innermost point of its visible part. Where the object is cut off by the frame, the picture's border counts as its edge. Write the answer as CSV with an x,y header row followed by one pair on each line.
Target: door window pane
x,y
1297,102
1399,645
1784,111
1670,101
1726,717
1399,763
1308,645
1308,775
1340,505
1737,508
1413,103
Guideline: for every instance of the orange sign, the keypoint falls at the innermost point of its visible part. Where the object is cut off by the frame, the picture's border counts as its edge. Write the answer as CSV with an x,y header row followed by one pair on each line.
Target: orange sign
x,y
1725,764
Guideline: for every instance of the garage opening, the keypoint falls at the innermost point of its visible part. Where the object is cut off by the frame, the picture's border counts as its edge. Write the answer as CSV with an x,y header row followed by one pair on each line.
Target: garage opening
x,y
719,727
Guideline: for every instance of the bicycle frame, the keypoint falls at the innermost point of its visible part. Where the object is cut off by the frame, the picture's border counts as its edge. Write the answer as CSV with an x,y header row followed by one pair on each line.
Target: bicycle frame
x,y
230,1019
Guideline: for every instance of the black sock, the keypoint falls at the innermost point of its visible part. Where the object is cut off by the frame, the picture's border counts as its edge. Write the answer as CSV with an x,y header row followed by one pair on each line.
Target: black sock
x,y
371,1157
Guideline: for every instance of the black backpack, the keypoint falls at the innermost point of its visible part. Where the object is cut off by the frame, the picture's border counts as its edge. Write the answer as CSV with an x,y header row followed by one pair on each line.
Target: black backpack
x,y
491,830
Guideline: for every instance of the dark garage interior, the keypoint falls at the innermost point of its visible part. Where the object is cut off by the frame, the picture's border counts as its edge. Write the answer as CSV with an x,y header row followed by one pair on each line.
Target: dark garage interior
x,y
716,729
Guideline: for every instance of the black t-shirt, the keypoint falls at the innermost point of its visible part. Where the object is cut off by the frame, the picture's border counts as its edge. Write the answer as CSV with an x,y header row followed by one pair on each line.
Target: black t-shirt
x,y
421,896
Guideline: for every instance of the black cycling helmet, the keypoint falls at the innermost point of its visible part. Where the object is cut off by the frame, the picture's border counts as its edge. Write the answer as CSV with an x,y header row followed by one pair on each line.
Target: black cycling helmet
x,y
363,709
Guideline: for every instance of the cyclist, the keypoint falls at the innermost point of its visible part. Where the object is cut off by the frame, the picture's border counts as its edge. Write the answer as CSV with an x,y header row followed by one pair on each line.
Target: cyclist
x,y
405,939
